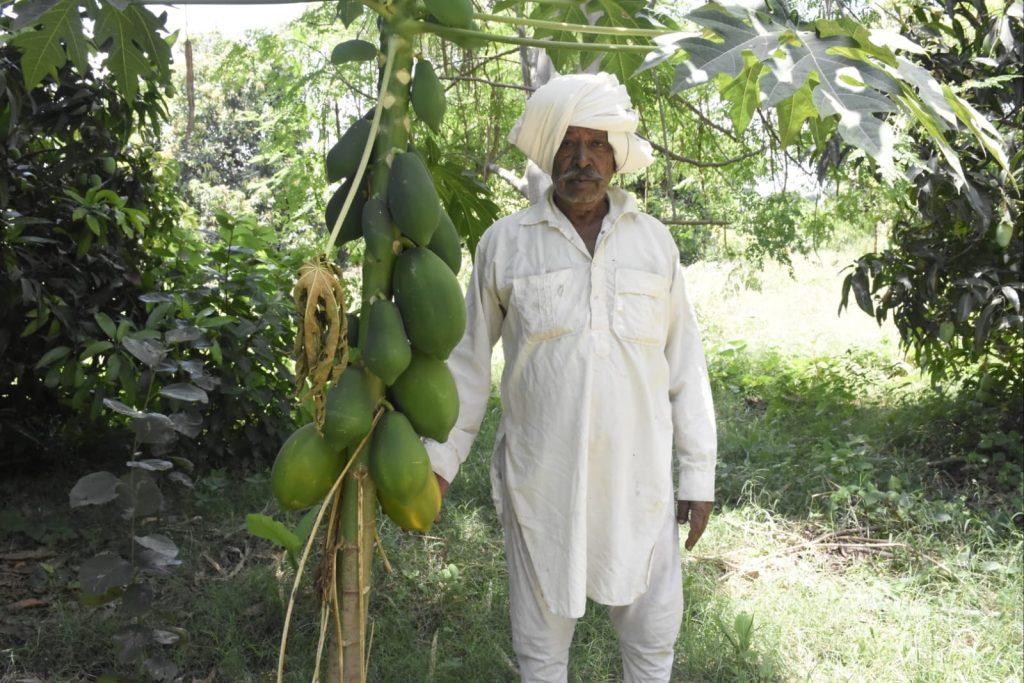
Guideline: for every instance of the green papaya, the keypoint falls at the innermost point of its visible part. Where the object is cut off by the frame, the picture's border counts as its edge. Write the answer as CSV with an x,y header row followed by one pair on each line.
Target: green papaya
x,y
343,158
353,329
417,514
386,351
348,410
353,51
399,463
454,13
427,95
377,276
378,230
447,244
412,199
305,469
426,394
350,226
431,302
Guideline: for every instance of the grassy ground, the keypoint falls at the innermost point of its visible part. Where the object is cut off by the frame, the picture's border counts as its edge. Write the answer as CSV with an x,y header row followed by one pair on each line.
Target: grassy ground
x,y
865,531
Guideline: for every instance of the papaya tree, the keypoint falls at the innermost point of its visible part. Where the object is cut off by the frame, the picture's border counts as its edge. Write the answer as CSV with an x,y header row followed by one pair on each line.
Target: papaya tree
x,y
373,377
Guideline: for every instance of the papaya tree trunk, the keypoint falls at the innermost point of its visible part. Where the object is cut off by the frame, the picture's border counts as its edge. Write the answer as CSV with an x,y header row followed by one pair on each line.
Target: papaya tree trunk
x,y
357,525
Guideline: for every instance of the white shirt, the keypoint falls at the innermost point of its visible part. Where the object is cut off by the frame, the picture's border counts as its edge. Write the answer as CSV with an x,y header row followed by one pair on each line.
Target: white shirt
x,y
603,366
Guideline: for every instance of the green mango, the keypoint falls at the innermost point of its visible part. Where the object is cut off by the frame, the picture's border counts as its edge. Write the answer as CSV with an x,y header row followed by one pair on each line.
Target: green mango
x,y
454,13
350,227
426,394
412,199
399,463
386,351
431,302
427,95
305,469
378,230
343,158
447,244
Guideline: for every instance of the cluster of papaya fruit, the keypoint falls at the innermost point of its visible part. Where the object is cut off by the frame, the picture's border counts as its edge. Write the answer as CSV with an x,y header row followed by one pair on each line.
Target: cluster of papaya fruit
x,y
412,317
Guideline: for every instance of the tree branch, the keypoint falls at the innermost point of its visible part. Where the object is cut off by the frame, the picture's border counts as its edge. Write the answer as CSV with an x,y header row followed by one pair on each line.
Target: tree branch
x,y
703,117
519,184
704,164
485,81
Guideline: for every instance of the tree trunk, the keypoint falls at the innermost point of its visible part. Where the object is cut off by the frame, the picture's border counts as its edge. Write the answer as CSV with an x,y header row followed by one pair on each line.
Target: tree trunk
x,y
357,527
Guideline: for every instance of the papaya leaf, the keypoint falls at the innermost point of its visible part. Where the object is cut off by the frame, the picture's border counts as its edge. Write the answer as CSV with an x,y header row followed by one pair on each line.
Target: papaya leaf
x,y
130,40
793,112
41,49
744,93
273,531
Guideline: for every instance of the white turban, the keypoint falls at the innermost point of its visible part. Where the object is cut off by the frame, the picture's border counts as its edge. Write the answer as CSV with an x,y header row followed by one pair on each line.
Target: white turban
x,y
596,101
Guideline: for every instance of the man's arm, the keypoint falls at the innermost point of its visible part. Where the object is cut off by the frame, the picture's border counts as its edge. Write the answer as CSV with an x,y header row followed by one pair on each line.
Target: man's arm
x,y
693,414
470,365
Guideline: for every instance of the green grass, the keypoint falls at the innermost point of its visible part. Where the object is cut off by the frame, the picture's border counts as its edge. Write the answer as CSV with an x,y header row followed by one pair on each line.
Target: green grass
x,y
869,526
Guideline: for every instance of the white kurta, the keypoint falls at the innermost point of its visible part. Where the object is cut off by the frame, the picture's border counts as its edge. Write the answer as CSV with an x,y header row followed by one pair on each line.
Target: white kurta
x,y
604,373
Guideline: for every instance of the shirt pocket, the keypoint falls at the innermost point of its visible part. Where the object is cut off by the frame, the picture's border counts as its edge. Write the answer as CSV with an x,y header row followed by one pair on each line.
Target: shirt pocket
x,y
545,304
641,306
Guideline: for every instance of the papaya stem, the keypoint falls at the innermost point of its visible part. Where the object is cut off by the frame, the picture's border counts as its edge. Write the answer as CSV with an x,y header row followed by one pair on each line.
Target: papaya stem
x,y
309,545
447,31
573,28
364,160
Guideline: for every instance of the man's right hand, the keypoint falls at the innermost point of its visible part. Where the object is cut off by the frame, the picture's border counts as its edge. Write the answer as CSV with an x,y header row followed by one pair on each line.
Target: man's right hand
x,y
442,484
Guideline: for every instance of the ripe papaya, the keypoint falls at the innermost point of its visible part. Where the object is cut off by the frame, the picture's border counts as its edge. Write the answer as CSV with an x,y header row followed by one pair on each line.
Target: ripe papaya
x,y
446,243
350,226
419,513
305,468
399,463
348,412
343,158
454,13
378,230
412,199
426,394
386,350
427,95
430,299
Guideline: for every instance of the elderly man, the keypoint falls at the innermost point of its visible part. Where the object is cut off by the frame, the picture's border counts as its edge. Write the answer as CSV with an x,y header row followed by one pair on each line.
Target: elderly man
x,y
604,373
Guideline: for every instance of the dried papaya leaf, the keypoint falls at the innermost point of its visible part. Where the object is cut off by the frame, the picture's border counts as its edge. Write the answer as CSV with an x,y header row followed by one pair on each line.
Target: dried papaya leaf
x,y
321,343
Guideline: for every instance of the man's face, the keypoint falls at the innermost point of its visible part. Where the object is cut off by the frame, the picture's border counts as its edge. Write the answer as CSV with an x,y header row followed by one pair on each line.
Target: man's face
x,y
583,166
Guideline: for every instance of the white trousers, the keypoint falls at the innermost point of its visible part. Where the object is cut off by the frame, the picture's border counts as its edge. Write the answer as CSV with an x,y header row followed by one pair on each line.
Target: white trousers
x,y
647,628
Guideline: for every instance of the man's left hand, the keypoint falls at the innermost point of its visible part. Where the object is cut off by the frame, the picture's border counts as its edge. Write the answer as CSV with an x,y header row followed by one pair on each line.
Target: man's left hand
x,y
696,514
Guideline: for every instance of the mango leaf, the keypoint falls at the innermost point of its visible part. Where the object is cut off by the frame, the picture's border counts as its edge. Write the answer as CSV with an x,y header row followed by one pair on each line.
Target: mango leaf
x,y
184,392
147,351
106,324
103,572
53,355
94,489
46,32
159,544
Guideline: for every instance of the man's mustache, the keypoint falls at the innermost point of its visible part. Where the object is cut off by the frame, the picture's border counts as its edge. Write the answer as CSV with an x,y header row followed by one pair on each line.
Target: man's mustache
x,y
579,174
